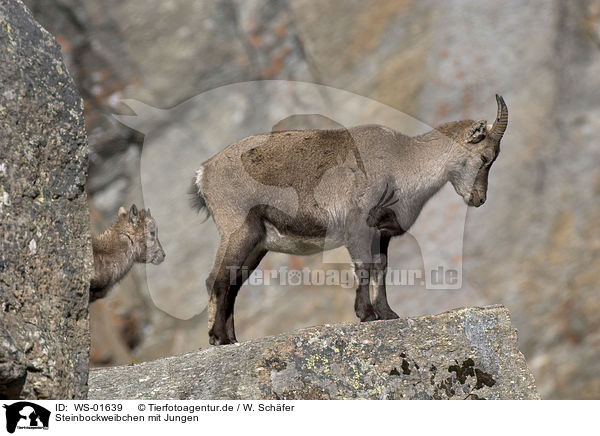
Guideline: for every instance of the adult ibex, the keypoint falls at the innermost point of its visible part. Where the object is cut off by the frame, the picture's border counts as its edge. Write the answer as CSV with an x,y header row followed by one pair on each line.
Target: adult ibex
x,y
357,187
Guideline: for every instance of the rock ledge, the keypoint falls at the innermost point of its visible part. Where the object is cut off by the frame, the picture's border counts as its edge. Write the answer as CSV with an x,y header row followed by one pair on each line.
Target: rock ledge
x,y
468,353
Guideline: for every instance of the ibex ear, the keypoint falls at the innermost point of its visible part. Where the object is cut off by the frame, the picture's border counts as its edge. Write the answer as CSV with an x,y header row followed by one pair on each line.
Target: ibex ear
x,y
122,212
476,132
148,212
133,213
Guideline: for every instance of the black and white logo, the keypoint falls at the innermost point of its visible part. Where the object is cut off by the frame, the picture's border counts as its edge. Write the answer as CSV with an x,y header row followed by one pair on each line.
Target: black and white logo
x,y
26,415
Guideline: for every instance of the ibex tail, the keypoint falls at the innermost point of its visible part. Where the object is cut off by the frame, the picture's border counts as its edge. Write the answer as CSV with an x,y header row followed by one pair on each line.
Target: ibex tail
x,y
197,200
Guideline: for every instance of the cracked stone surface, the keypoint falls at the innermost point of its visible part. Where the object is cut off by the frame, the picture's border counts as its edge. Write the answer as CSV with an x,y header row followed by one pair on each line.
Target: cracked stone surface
x,y
468,353
45,247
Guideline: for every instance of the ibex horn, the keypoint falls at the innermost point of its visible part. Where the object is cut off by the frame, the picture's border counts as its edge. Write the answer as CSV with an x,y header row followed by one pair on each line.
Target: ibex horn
x,y
501,119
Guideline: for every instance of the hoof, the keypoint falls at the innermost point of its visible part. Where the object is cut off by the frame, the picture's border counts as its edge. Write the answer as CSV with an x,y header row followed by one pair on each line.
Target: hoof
x,y
216,339
387,314
368,316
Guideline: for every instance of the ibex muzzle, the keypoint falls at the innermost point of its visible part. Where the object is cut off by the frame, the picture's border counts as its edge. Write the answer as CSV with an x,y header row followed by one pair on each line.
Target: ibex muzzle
x,y
321,189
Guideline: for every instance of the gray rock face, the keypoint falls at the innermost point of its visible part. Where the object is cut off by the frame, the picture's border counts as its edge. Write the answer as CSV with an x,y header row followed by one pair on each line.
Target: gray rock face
x,y
463,354
45,247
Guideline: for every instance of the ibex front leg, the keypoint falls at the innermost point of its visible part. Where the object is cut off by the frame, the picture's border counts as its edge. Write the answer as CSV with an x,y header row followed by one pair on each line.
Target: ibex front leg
x,y
358,243
378,272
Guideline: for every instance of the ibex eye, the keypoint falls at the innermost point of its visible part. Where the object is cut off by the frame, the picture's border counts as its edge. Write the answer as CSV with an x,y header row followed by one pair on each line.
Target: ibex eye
x,y
485,160
152,233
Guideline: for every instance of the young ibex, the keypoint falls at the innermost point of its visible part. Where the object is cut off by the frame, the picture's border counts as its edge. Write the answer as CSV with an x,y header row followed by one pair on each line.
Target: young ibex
x,y
133,238
340,197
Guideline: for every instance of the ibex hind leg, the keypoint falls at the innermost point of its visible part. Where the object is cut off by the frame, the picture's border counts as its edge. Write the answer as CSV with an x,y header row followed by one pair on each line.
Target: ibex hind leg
x,y
250,264
235,249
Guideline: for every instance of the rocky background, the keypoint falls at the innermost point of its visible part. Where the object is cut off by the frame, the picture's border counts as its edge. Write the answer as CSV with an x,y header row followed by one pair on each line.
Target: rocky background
x,y
534,245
